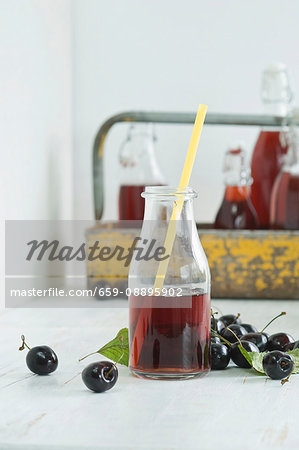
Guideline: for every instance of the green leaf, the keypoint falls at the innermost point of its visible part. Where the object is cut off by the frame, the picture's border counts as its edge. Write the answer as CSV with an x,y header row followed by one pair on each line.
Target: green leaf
x,y
117,350
118,346
245,354
295,355
257,361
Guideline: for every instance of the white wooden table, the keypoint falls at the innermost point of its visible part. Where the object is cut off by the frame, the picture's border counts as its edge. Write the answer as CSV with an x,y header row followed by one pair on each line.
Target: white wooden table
x,y
231,409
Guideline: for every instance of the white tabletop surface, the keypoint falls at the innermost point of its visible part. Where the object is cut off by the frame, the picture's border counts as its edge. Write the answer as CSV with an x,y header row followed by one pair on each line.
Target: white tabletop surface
x,y
231,409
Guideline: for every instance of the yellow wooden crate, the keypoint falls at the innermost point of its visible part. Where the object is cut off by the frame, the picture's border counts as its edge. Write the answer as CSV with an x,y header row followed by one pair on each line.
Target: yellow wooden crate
x,y
244,264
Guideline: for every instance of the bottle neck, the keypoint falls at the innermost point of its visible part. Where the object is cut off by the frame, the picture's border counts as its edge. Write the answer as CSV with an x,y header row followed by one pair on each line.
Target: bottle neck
x,y
137,157
237,193
236,170
165,203
276,92
276,108
161,210
291,164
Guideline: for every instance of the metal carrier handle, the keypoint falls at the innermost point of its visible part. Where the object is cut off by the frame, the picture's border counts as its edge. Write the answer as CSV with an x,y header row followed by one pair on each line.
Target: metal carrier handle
x,y
167,118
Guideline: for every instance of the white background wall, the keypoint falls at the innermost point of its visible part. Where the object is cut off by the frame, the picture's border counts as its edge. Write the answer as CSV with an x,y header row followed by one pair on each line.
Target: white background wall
x,y
172,55
35,109
35,112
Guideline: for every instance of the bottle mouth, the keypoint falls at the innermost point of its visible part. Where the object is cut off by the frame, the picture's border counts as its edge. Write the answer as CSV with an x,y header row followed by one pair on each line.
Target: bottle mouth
x,y
169,192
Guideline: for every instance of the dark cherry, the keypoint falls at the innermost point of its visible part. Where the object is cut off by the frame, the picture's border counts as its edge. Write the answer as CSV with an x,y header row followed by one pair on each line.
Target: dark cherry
x,y
229,319
279,341
277,364
216,325
259,339
220,356
42,360
216,340
237,356
100,376
249,328
292,346
237,329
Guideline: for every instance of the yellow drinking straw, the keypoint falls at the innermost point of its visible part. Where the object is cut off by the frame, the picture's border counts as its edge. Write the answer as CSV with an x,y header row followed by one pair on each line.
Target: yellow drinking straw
x,y
178,205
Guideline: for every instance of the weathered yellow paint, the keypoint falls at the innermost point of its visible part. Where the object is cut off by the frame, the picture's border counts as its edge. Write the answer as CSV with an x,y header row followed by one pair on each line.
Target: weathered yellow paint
x,y
296,268
249,264
256,264
260,285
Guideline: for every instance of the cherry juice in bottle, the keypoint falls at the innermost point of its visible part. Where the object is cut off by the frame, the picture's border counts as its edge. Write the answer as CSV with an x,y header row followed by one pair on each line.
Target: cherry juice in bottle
x,y
130,203
267,161
285,202
170,335
169,297
138,168
271,146
236,211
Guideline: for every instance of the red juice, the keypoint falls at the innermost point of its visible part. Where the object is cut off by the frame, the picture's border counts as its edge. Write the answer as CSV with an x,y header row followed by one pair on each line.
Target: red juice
x,y
236,210
285,202
266,163
172,339
130,202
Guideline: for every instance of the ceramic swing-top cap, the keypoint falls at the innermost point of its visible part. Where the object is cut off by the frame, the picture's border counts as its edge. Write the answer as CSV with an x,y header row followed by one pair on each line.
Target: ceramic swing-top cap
x,y
276,84
235,168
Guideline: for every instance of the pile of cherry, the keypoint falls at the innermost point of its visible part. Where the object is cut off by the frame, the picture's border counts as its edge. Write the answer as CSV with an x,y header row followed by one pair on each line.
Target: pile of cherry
x,y
228,336
228,333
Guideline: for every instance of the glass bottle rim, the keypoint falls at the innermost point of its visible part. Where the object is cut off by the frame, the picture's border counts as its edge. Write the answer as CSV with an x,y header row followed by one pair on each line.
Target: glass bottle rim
x,y
169,192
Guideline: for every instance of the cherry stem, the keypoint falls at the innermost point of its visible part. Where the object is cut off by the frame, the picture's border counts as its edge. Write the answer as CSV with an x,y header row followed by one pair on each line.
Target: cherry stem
x,y
235,320
218,311
110,370
276,317
86,356
222,338
23,344
213,317
213,313
235,336
114,365
286,380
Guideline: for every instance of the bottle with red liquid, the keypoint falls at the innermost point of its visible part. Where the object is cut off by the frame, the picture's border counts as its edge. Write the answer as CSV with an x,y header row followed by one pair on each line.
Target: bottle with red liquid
x,y
284,211
170,325
236,210
139,168
271,146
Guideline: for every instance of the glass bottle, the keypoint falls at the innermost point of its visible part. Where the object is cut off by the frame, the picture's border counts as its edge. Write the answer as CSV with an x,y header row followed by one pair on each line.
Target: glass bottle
x,y
284,211
271,146
139,168
170,331
236,210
